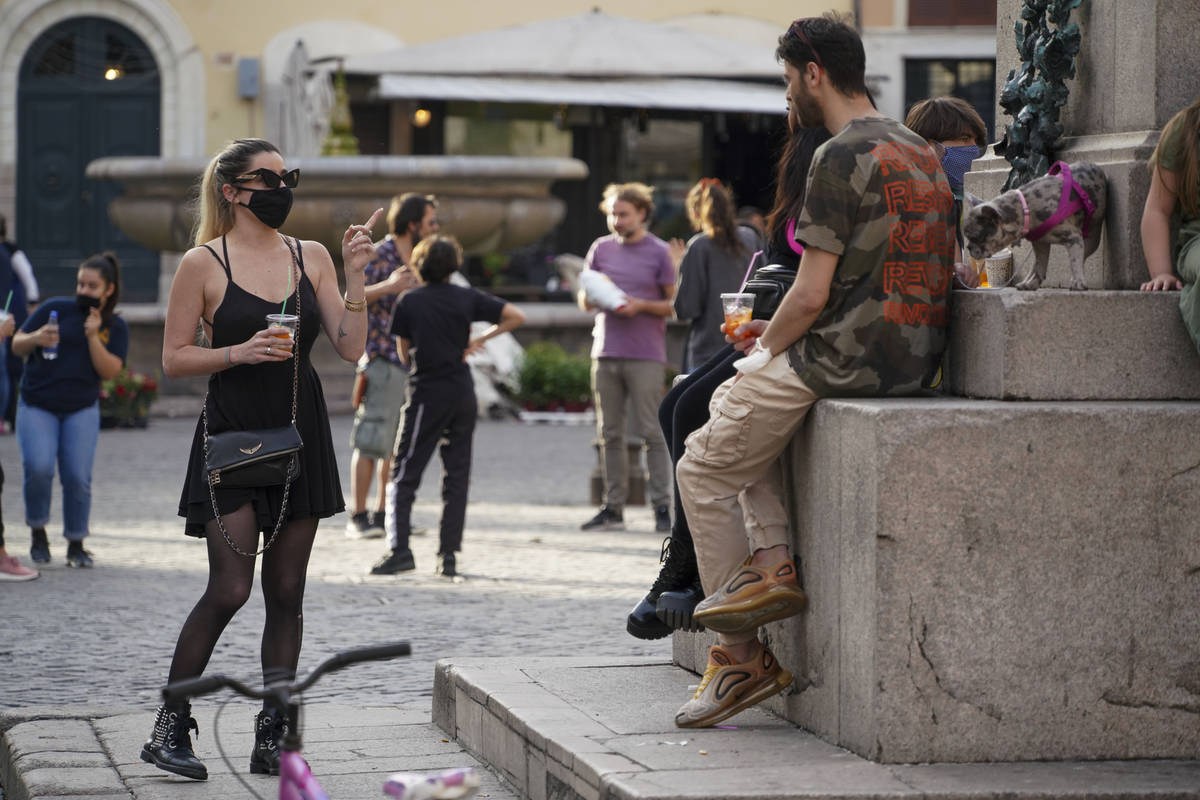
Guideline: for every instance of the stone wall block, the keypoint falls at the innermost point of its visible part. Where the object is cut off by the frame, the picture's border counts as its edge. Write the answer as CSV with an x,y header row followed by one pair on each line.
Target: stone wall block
x,y
1060,345
998,581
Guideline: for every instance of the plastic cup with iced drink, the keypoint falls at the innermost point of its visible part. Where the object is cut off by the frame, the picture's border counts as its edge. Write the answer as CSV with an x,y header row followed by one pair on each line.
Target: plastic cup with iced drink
x,y
282,326
739,308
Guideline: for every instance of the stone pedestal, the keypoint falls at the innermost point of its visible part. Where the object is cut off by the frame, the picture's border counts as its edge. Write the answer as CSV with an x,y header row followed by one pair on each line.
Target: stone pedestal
x,y
1054,344
994,581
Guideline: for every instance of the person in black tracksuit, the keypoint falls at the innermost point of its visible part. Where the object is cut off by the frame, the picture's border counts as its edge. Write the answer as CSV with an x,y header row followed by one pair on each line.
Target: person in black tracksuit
x,y
432,324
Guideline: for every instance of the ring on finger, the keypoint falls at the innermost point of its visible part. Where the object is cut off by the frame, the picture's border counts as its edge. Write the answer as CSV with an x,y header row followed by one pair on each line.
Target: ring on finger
x,y
268,349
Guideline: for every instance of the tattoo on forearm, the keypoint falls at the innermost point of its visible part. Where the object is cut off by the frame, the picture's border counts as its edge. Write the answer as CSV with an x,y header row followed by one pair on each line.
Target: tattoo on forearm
x,y
342,332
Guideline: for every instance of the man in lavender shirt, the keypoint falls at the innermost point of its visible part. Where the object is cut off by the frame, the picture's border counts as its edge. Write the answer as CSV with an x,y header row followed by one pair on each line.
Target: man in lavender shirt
x,y
629,350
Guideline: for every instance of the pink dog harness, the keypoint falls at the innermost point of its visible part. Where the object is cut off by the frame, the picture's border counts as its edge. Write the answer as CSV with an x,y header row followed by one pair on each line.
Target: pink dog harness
x,y
1066,205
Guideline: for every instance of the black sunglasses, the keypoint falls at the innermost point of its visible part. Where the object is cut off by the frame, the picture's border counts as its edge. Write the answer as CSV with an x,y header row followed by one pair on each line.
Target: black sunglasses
x,y
271,179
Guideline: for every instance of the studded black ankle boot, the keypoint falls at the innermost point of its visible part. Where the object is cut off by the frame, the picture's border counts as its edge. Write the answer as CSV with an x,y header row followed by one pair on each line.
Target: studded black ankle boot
x,y
678,573
270,726
170,744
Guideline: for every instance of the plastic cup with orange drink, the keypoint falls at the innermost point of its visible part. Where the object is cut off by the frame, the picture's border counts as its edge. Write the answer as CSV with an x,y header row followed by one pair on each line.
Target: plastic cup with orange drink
x,y
283,326
739,309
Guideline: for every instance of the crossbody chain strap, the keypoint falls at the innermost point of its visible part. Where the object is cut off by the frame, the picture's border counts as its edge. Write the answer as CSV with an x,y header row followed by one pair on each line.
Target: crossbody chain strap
x,y
287,485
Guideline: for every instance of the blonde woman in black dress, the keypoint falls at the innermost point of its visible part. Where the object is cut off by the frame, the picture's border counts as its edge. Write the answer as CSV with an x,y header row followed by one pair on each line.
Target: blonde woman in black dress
x,y
242,269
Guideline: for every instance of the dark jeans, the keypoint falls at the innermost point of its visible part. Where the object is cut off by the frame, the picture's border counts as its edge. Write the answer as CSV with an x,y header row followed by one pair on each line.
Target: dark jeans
x,y
438,413
685,409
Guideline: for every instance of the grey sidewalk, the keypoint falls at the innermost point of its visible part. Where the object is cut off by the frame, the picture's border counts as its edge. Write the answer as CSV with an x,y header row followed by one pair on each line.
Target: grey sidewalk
x,y
86,651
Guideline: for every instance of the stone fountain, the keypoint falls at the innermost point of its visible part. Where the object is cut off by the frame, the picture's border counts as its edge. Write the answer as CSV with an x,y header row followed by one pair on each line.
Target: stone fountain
x,y
490,203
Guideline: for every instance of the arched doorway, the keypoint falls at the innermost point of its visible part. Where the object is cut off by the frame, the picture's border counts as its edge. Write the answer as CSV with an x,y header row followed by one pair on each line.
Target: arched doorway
x,y
88,88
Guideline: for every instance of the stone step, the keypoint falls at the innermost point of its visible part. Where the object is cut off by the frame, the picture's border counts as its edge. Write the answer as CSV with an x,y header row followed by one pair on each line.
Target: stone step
x,y
995,581
601,729
1054,344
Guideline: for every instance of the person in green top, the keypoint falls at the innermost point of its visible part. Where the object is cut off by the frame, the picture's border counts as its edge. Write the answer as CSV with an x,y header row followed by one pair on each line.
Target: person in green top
x,y
1175,187
865,317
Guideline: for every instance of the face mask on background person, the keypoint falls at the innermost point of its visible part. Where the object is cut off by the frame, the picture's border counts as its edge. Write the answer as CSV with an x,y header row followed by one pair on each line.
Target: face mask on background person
x,y
271,206
86,302
956,162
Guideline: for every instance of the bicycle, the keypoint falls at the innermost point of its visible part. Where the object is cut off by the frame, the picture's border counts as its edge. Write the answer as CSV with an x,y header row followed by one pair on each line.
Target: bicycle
x,y
296,780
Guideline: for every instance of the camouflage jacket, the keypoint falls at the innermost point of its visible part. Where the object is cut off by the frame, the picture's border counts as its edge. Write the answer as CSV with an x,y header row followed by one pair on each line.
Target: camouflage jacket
x,y
878,199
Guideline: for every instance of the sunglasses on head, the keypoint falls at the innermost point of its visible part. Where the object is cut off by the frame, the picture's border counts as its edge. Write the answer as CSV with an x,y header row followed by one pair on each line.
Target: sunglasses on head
x,y
797,28
271,179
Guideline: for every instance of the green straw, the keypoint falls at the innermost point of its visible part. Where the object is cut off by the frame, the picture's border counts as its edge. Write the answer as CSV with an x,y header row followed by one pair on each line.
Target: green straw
x,y
283,308
7,301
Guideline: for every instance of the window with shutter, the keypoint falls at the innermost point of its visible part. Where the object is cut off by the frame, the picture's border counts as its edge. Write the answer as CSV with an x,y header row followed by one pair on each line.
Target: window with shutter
x,y
925,13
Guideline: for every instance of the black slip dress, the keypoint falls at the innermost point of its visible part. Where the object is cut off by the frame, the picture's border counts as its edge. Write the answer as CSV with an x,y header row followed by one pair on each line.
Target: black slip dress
x,y
259,396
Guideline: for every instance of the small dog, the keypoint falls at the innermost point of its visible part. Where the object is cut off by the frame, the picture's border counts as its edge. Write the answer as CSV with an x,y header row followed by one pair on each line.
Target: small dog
x,y
1044,213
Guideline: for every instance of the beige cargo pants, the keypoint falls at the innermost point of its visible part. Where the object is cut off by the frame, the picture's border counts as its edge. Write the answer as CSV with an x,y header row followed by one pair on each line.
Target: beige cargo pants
x,y
728,478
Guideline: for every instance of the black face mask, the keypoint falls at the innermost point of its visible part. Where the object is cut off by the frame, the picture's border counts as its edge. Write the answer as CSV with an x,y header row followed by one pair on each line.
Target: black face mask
x,y
86,302
271,206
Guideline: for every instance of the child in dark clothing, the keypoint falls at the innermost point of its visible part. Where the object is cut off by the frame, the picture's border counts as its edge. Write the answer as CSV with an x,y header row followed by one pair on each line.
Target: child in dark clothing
x,y
432,328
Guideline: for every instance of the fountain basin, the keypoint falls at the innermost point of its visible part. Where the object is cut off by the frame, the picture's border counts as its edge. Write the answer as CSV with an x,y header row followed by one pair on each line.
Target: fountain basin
x,y
489,203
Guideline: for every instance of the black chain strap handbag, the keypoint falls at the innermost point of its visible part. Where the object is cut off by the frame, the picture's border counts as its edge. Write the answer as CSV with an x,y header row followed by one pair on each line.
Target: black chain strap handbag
x,y
240,459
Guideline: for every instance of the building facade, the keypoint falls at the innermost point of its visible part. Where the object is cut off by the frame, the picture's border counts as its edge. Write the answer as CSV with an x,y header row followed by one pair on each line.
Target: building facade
x,y
83,79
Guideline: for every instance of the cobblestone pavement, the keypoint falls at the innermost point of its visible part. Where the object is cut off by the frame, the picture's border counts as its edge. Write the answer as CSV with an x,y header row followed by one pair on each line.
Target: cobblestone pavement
x,y
534,584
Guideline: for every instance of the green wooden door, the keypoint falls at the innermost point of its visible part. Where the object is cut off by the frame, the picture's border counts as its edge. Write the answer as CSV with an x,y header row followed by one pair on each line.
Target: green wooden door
x,y
88,88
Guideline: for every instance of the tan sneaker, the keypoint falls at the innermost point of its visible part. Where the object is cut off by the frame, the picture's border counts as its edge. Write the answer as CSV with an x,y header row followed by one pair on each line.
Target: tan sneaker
x,y
754,596
728,688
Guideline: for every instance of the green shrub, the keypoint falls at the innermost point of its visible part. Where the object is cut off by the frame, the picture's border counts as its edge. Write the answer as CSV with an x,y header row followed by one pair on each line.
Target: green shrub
x,y
549,377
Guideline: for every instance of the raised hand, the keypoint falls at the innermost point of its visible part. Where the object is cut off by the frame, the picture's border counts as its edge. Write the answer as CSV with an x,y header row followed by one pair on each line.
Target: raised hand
x,y
91,325
357,247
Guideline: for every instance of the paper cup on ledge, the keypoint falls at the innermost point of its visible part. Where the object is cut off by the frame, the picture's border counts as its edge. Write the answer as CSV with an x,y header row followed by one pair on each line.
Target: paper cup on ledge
x,y
999,268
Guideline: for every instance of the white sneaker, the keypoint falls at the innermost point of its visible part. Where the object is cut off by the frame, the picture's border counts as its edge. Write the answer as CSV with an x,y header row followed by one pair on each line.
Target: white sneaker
x,y
12,570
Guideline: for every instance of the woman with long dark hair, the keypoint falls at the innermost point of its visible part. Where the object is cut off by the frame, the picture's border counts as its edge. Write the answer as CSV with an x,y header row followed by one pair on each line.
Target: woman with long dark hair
x,y
676,590
715,262
241,270
70,345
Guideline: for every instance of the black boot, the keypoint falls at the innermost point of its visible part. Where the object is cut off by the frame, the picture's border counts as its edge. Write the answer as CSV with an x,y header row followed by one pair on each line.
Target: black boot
x,y
270,726
170,744
678,574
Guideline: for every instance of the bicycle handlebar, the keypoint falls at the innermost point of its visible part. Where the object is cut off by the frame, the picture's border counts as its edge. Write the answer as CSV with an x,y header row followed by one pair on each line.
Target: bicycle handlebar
x,y
181,691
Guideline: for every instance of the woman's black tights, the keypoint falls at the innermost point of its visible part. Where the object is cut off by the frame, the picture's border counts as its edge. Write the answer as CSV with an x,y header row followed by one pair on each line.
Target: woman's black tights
x,y
685,409
230,578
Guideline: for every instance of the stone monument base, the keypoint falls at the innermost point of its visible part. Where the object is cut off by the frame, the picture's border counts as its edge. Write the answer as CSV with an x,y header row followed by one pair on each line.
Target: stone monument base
x,y
995,581
1055,344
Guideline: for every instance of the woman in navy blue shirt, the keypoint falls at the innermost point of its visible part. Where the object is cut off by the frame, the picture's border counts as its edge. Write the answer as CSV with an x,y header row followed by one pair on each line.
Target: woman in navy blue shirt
x,y
58,413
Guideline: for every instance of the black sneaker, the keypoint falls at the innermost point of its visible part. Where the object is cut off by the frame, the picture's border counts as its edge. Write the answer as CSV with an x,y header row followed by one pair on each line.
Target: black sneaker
x,y
662,519
395,561
376,529
678,573
674,609
77,556
447,565
39,548
358,525
605,520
